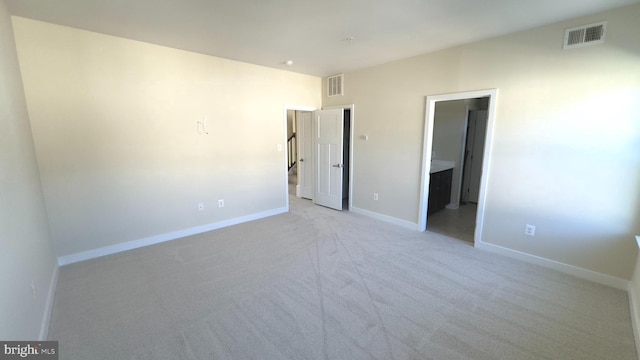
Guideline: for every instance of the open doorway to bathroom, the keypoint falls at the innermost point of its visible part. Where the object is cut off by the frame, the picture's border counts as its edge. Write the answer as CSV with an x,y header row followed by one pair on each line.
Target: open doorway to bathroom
x,y
457,151
457,139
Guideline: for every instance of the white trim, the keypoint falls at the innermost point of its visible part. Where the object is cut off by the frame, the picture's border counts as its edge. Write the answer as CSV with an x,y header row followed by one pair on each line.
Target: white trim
x,y
582,273
156,239
48,307
428,144
298,108
388,219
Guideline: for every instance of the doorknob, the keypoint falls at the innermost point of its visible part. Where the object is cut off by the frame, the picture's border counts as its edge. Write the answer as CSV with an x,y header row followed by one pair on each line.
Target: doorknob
x,y
301,160
337,165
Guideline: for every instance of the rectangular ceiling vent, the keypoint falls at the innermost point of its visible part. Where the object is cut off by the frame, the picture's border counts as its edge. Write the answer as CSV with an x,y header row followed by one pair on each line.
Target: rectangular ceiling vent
x,y
334,85
585,35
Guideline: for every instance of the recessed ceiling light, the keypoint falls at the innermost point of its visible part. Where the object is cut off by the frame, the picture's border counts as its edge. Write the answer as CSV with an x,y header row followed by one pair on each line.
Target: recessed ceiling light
x,y
289,62
349,39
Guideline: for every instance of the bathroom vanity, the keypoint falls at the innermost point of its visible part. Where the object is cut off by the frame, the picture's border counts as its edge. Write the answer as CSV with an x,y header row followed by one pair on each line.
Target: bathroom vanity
x,y
441,174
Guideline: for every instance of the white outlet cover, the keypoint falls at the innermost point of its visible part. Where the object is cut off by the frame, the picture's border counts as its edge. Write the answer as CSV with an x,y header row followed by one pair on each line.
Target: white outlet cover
x,y
530,230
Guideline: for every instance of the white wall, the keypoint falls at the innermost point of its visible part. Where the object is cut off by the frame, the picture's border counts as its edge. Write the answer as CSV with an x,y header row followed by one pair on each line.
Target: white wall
x,y
566,151
26,254
121,158
389,108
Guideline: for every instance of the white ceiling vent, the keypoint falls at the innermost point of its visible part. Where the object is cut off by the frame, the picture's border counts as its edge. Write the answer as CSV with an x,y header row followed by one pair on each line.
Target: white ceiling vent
x,y
585,35
334,85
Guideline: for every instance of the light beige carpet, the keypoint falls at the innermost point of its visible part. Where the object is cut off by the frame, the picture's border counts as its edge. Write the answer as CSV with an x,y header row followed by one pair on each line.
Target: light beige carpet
x,y
321,284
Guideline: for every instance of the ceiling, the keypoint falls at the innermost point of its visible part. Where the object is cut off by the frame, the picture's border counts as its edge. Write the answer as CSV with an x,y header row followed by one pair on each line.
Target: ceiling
x,y
312,33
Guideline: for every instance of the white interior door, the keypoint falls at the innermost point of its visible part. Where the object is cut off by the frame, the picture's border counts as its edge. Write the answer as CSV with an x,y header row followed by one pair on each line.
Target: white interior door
x,y
329,127
304,136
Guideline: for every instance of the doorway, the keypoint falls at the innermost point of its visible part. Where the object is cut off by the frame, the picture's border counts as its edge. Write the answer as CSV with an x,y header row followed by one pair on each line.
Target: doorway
x,y
454,157
300,154
292,148
304,173
457,152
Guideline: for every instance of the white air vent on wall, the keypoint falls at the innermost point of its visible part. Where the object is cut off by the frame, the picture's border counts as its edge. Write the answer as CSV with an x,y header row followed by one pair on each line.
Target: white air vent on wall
x,y
334,85
585,35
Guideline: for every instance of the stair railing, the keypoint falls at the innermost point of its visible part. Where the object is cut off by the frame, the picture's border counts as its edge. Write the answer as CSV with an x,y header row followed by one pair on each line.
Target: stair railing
x,y
292,154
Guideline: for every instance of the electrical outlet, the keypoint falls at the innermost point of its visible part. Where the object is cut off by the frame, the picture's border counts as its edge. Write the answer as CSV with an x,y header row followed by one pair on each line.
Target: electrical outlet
x,y
221,203
530,230
200,206
375,196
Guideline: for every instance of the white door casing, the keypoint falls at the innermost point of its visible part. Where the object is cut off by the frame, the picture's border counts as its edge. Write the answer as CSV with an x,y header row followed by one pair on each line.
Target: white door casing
x,y
328,146
427,147
304,136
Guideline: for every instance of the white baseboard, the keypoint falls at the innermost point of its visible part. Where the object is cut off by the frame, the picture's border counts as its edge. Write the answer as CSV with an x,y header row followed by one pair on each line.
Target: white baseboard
x,y
582,273
156,239
385,218
48,307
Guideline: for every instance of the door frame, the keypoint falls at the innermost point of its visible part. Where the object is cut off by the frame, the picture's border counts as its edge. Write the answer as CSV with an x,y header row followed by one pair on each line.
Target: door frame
x,y
286,150
430,107
351,107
